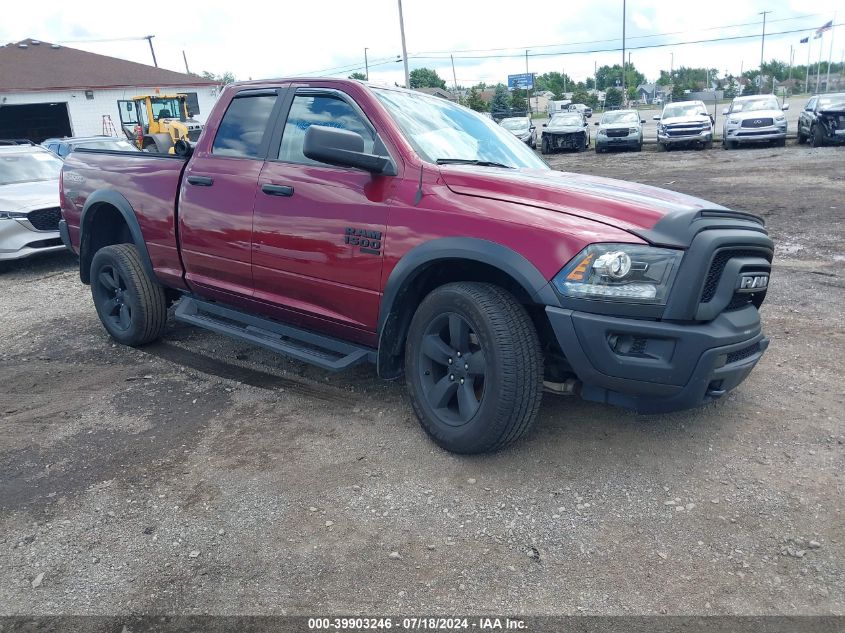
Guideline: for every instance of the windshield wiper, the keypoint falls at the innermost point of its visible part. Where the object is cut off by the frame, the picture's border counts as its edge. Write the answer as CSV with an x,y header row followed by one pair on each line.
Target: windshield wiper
x,y
470,161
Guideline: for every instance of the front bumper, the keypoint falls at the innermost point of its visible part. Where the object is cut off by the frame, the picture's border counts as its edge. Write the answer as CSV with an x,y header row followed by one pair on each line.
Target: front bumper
x,y
17,240
658,366
603,142
753,135
687,139
569,140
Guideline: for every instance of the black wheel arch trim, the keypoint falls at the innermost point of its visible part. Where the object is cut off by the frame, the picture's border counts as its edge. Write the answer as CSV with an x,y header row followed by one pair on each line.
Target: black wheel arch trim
x,y
418,259
121,204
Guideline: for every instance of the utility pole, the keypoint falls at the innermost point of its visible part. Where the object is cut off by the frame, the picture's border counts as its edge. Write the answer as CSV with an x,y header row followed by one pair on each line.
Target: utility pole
x,y
187,70
624,92
404,48
532,83
762,48
830,56
149,39
366,64
454,76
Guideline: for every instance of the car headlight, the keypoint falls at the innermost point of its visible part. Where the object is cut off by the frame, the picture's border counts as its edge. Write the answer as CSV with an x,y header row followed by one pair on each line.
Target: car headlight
x,y
633,130
733,121
12,215
602,132
780,118
630,273
660,127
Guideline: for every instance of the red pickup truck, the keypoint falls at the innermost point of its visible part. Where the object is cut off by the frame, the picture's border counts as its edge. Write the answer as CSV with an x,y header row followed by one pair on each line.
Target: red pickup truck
x,y
341,223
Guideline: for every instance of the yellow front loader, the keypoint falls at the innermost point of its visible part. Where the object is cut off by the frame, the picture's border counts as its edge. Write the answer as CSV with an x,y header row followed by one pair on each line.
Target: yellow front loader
x,y
155,122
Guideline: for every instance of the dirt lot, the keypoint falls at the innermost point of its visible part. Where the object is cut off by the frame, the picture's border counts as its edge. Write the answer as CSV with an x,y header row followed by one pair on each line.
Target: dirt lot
x,y
199,475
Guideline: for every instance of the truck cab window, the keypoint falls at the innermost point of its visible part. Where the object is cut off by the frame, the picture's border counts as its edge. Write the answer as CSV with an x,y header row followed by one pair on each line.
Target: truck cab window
x,y
243,126
328,110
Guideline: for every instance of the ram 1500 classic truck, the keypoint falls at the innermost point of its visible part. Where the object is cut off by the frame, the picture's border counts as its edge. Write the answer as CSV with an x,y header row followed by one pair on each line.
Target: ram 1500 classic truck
x,y
341,223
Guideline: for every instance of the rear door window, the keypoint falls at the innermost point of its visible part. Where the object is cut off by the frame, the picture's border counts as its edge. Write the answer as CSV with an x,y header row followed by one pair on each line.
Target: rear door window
x,y
243,130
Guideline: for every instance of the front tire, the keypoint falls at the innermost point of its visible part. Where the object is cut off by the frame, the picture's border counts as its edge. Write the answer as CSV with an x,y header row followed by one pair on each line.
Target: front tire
x,y
131,305
817,136
473,367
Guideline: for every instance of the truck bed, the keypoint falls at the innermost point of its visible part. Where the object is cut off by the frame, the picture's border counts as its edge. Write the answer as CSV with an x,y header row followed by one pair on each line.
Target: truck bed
x,y
149,183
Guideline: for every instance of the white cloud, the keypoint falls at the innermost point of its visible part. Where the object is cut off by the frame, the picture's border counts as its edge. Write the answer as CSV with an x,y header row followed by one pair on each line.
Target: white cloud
x,y
258,39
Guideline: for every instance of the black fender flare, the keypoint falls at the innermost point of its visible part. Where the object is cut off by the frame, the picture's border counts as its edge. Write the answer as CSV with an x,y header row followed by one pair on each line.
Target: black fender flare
x,y
116,200
415,261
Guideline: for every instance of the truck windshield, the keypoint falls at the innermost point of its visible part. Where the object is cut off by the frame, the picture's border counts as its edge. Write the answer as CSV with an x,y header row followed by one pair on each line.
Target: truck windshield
x,y
438,129
753,105
620,116
18,167
683,109
166,108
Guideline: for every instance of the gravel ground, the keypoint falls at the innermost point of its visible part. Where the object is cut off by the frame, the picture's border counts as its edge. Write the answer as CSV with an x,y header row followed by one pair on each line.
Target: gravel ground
x,y
201,475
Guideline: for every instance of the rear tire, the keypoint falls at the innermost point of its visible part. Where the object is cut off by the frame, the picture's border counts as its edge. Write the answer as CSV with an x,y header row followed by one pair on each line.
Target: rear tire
x,y
131,305
661,147
816,136
801,138
488,396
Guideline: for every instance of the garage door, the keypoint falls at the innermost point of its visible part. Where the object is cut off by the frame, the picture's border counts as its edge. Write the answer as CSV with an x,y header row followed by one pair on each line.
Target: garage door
x,y
34,121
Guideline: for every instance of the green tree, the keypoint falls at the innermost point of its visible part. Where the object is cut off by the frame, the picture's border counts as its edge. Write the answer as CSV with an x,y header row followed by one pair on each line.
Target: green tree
x,y
751,88
225,79
519,101
632,93
475,102
612,97
590,83
501,99
607,76
359,76
555,82
426,78
580,96
677,92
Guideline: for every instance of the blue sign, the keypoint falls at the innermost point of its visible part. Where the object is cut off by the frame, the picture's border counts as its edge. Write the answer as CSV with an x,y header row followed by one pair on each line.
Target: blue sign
x,y
525,81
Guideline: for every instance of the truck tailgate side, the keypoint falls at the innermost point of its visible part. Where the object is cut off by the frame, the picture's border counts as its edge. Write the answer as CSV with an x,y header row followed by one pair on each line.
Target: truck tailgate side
x,y
142,187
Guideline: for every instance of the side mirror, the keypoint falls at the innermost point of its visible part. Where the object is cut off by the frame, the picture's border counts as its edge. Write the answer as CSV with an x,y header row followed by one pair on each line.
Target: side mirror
x,y
725,110
531,128
545,125
656,117
595,123
785,106
642,121
183,148
342,148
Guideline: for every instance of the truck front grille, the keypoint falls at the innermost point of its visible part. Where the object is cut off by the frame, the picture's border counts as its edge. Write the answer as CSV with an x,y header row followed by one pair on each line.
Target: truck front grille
x,y
45,219
617,133
742,354
717,267
757,122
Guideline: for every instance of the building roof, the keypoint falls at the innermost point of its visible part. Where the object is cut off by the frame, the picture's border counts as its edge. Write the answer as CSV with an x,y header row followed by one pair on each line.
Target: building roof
x,y
32,65
437,92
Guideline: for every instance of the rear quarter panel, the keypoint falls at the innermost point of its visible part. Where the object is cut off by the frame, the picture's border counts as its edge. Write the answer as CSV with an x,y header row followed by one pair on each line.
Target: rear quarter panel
x,y
148,182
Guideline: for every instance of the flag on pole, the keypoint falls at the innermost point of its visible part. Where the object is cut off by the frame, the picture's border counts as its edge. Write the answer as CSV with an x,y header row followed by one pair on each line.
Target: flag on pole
x,y
824,27
805,40
818,35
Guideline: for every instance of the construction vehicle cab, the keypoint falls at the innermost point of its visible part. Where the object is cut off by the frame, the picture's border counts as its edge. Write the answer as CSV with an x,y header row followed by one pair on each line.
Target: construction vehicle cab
x,y
155,122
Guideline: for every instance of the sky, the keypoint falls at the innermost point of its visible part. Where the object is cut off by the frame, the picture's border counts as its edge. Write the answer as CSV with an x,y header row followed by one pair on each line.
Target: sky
x,y
328,37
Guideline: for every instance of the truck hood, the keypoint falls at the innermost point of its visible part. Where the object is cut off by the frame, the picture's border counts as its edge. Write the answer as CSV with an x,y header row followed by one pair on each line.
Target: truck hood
x,y
564,129
690,118
629,206
26,196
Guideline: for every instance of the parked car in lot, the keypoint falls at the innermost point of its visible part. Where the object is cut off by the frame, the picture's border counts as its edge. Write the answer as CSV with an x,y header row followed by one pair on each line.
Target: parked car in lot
x,y
622,129
567,130
822,120
64,146
29,201
684,124
754,119
582,109
416,235
522,128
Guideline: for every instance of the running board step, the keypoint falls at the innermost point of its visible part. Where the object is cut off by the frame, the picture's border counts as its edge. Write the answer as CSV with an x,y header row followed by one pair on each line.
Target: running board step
x,y
310,347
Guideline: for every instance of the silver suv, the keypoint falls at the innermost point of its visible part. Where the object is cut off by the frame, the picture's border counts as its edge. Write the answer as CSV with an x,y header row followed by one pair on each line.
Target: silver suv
x,y
29,201
754,119
684,124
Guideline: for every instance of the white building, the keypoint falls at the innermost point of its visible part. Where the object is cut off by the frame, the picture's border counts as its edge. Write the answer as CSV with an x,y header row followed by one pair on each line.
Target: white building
x,y
50,90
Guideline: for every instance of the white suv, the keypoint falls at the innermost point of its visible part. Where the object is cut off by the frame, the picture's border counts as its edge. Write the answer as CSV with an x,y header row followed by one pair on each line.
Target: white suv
x,y
754,119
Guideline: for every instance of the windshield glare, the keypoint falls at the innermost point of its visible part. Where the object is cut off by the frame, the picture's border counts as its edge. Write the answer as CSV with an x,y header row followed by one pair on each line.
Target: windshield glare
x,y
514,124
439,129
620,117
566,119
690,109
826,102
754,105
17,167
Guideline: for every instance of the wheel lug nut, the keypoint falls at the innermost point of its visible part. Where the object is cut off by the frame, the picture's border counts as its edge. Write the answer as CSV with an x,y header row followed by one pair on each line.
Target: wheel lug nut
x,y
450,361
451,376
466,365
459,354
462,381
